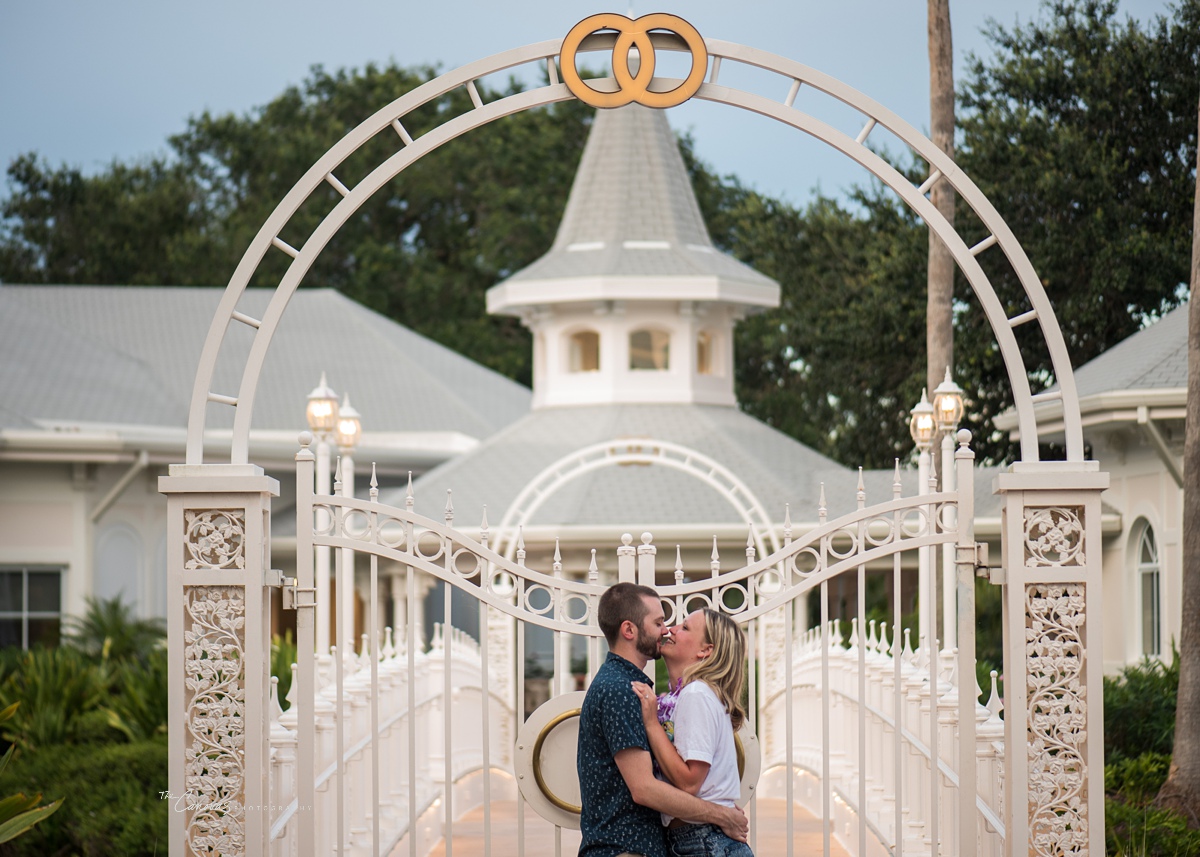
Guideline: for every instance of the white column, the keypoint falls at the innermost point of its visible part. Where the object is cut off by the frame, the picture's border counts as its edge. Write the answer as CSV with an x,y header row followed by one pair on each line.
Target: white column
x,y
949,584
924,605
324,573
346,584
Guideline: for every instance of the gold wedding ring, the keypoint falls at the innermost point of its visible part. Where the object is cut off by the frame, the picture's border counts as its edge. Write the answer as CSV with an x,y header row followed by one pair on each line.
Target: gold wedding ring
x,y
633,33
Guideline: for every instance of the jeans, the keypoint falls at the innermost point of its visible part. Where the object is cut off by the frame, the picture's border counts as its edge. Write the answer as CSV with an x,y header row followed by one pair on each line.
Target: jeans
x,y
704,840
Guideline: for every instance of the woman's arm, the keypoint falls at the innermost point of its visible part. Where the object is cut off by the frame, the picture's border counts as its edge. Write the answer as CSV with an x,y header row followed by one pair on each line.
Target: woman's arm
x,y
685,775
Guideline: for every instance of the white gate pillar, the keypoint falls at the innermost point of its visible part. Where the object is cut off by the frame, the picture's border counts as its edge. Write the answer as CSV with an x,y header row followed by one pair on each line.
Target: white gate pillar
x,y
1053,706
218,626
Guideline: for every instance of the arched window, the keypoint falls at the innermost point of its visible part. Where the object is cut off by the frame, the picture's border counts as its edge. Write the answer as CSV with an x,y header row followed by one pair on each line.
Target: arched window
x,y
1149,576
650,350
583,351
705,356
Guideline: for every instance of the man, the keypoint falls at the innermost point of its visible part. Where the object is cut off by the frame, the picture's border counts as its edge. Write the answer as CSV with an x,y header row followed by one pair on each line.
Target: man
x,y
621,797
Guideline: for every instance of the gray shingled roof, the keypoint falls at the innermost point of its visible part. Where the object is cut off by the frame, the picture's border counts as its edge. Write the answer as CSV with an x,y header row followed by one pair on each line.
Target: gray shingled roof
x,y
1153,358
775,467
632,186
127,355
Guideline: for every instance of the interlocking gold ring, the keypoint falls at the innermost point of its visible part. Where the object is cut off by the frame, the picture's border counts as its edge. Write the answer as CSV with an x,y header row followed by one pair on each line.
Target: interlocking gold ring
x,y
633,33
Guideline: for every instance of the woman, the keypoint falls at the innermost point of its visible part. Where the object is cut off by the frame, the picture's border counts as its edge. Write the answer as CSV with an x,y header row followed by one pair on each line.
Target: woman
x,y
706,662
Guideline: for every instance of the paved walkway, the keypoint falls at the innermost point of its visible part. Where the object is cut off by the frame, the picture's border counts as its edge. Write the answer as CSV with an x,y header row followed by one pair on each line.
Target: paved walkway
x,y
540,835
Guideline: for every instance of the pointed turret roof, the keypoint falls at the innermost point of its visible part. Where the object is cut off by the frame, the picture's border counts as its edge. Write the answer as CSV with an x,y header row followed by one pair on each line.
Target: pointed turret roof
x,y
632,228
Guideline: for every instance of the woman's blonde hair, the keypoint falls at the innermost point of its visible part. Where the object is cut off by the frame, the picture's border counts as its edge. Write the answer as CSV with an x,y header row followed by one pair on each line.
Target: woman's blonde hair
x,y
725,669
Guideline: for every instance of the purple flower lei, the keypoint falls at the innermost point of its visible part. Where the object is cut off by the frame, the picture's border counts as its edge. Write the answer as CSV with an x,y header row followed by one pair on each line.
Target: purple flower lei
x,y
666,701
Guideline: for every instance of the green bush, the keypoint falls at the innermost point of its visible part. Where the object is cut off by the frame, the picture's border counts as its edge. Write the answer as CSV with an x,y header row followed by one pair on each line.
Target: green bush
x,y
58,690
112,806
110,632
1144,831
1137,781
1139,710
137,705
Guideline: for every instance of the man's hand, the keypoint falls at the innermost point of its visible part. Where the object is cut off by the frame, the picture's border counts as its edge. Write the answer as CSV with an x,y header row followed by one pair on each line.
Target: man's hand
x,y
733,822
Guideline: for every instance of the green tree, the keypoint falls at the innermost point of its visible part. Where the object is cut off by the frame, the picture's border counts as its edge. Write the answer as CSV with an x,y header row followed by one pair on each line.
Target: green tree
x,y
423,250
1080,128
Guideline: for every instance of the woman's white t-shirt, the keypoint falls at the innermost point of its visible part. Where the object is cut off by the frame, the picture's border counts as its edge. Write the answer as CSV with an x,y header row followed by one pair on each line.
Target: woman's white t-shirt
x,y
703,733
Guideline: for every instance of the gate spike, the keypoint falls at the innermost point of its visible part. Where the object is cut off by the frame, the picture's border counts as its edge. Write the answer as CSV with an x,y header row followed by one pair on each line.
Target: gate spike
x,y
854,634
337,476
862,491
291,694
994,704
907,652
593,570
557,560
408,498
896,482
837,632
449,508
872,640
483,527
364,653
787,522
822,509
883,648
678,565
750,545
715,564
521,545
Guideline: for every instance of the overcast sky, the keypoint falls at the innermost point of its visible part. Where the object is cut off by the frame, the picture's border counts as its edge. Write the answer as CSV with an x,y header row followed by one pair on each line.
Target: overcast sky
x,y
84,82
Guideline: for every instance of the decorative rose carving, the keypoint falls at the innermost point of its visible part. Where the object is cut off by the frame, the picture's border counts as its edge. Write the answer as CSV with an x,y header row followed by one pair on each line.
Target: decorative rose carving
x,y
215,700
1058,816
215,538
1054,536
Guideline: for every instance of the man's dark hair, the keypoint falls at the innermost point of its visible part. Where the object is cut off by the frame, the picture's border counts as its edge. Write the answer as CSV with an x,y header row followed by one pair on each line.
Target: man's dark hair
x,y
620,603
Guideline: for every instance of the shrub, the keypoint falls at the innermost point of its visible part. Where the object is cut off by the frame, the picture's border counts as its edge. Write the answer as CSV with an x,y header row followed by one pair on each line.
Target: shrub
x,y
1137,781
110,631
138,706
58,689
1144,831
113,804
1139,709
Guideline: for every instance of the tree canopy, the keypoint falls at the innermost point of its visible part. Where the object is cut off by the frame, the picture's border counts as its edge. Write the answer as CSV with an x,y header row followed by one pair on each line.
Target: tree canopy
x,y
1079,128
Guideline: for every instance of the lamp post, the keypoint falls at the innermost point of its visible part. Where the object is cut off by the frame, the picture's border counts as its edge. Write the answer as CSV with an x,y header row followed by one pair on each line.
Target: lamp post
x,y
349,428
922,425
322,415
948,410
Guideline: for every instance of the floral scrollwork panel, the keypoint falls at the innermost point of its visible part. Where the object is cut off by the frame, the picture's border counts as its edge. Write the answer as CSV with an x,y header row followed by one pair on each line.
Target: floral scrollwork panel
x,y
215,700
1054,536
215,538
1058,719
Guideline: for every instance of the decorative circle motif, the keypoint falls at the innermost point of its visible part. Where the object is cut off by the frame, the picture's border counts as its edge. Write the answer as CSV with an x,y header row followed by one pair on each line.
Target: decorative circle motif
x,y
537,762
633,33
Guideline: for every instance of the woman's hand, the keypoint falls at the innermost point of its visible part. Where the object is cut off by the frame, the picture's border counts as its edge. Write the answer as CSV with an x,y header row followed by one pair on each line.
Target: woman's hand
x,y
645,695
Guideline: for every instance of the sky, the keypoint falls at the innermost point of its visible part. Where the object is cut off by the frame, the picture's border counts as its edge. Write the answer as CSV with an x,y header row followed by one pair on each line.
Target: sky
x,y
85,82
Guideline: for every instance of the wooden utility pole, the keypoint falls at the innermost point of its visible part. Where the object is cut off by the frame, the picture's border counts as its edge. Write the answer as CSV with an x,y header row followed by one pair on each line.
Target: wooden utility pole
x,y
939,319
1181,791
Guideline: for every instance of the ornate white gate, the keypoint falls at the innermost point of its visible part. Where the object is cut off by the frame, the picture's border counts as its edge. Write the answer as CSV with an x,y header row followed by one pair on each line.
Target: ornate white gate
x,y
219,513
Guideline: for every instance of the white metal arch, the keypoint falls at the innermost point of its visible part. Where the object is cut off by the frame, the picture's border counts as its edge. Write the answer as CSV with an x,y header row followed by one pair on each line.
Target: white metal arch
x,y
783,110
637,451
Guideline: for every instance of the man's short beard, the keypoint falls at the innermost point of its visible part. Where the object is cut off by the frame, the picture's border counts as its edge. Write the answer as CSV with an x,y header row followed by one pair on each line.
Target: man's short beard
x,y
649,646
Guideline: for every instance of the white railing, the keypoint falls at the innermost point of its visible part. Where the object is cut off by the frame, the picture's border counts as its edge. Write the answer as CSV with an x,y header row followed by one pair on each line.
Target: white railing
x,y
894,774
409,786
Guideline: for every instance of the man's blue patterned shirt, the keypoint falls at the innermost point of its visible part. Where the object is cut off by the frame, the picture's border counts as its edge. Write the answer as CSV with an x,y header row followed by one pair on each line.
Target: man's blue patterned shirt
x,y
611,721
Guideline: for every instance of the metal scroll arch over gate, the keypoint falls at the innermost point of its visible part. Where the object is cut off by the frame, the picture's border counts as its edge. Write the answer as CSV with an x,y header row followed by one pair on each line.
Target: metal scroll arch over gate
x,y
792,74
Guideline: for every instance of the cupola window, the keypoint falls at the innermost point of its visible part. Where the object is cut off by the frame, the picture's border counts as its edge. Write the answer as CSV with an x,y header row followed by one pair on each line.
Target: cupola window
x,y
583,352
650,350
705,358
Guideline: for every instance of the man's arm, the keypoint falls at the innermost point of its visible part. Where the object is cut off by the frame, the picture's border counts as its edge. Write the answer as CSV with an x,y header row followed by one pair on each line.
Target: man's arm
x,y
638,772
